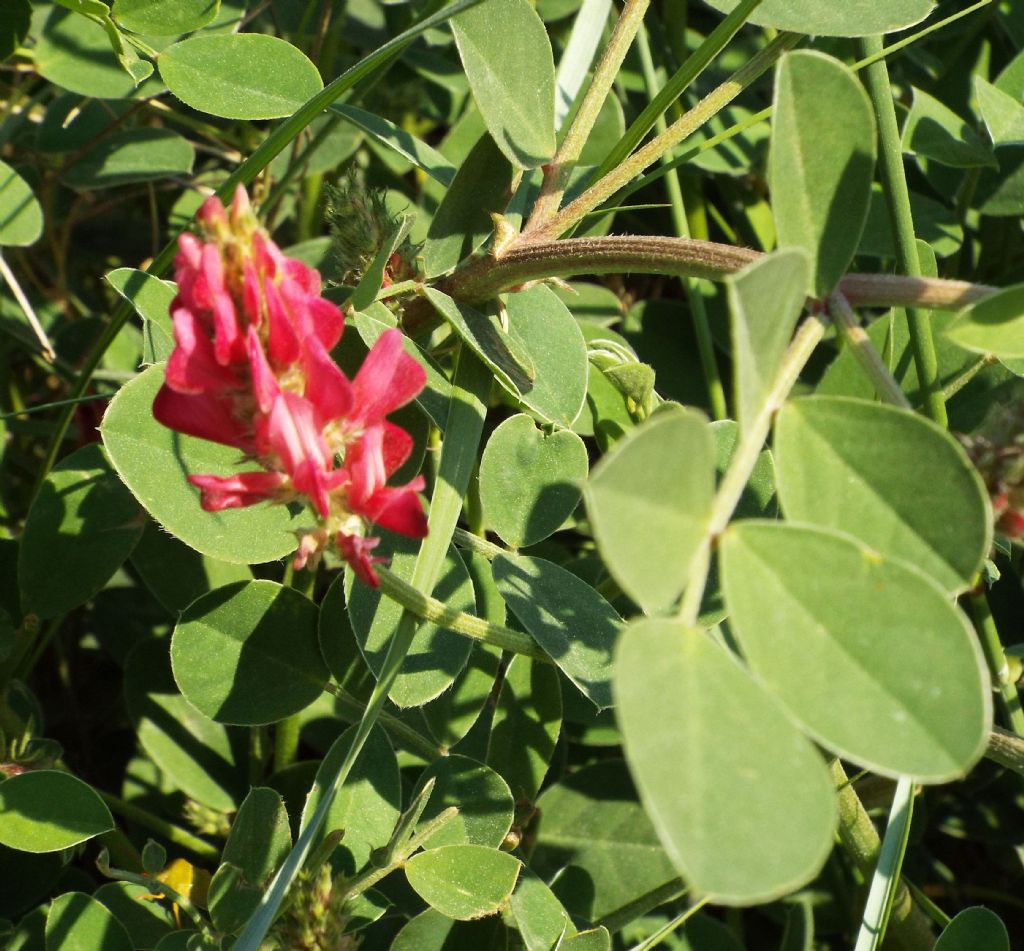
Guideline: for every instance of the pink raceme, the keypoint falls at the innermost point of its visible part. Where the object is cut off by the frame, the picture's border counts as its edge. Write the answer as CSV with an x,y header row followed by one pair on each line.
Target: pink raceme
x,y
251,369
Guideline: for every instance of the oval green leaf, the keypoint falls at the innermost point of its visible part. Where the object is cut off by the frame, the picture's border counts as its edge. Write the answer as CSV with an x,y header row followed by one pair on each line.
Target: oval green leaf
x,y
566,616
164,17
897,481
868,654
974,929
367,806
437,655
530,481
649,501
821,196
993,325
197,755
45,810
239,75
154,462
849,18
77,922
483,798
81,528
463,881
21,217
249,654
129,156
744,821
507,57
765,300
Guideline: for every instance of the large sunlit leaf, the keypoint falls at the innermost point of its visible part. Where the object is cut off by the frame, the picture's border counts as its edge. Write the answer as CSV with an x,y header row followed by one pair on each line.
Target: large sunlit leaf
x,y
821,196
239,75
849,18
744,821
649,501
507,58
45,811
463,881
939,520
993,325
164,17
869,655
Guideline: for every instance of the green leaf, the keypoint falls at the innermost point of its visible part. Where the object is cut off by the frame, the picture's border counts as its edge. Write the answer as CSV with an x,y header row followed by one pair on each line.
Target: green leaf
x,y
249,654
483,798
507,57
21,217
566,616
197,755
649,501
526,724
437,655
596,939
849,18
463,881
14,23
81,528
742,803
974,929
908,489
934,131
398,139
821,196
368,805
175,574
870,656
258,842
596,845
373,277
129,156
432,931
239,75
529,481
151,298
481,187
77,922
154,462
164,17
993,325
1003,114
75,53
145,920
538,914
765,300
45,810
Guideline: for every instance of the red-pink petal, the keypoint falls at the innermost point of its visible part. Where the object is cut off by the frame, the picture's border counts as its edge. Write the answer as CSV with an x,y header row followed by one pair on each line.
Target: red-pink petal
x,y
327,321
396,447
356,551
398,509
211,214
294,436
282,340
193,366
228,343
388,379
264,383
237,491
327,388
203,416
364,460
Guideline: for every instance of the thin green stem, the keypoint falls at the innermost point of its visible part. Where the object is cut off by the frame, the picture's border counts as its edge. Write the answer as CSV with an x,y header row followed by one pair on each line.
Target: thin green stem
x,y
897,200
475,543
437,612
992,648
1006,749
682,128
274,143
670,927
166,830
744,458
397,729
556,175
702,330
885,881
886,386
679,82
961,380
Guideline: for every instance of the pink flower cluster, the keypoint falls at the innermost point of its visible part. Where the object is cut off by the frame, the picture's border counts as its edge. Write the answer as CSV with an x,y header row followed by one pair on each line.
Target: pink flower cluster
x,y
251,368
